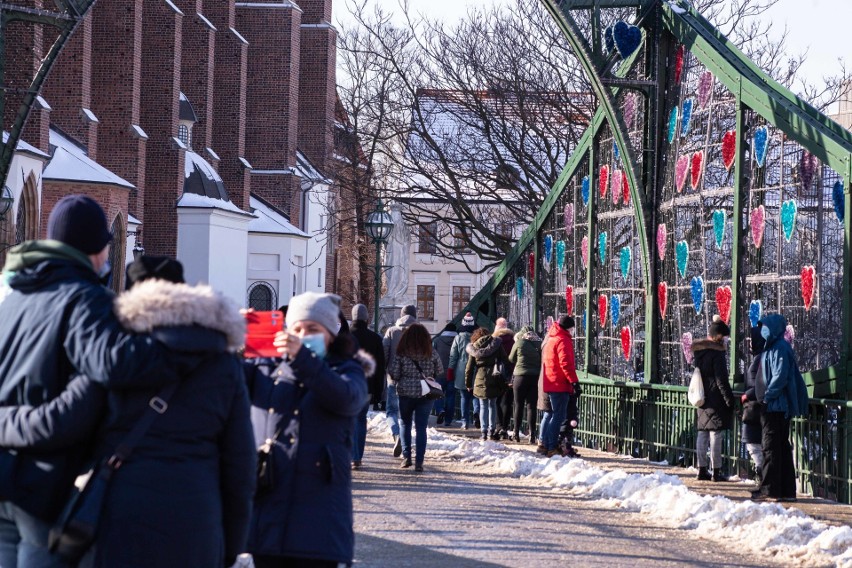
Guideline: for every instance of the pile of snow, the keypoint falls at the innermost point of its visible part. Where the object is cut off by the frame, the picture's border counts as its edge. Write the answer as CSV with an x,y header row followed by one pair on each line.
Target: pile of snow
x,y
764,528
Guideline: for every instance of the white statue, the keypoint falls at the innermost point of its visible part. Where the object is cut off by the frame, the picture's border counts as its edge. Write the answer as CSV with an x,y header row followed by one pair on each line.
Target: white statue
x,y
396,257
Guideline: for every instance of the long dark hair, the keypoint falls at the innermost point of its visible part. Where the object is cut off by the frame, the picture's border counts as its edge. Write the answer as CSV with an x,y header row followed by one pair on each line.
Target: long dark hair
x,y
415,343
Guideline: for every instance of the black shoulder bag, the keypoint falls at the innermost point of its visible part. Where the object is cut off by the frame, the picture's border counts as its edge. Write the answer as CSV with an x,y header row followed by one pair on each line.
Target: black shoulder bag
x,y
75,531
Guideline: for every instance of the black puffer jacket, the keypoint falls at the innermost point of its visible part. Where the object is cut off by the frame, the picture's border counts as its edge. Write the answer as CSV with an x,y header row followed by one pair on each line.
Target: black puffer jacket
x,y
371,342
752,409
718,409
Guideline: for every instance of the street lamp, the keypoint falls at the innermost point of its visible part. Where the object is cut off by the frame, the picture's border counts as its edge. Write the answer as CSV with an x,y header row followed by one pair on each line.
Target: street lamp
x,y
6,201
379,226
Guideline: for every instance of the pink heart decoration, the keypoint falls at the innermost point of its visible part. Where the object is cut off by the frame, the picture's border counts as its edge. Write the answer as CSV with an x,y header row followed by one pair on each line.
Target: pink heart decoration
x,y
723,303
603,180
625,187
663,297
758,223
568,217
617,180
681,168
729,148
808,285
686,346
626,342
569,299
629,109
697,168
705,88
584,251
602,308
662,237
790,334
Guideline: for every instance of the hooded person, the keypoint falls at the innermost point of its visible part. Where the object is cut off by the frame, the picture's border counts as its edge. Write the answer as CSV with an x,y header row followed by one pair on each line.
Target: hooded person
x,y
456,366
371,343
408,316
484,352
506,400
443,343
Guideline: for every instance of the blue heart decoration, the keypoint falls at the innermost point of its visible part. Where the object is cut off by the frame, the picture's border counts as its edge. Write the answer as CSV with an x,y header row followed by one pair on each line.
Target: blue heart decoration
x,y
696,287
755,310
584,320
761,137
519,287
682,257
584,191
627,38
686,117
615,309
602,246
609,42
548,249
838,199
560,255
788,218
719,226
615,153
672,125
626,258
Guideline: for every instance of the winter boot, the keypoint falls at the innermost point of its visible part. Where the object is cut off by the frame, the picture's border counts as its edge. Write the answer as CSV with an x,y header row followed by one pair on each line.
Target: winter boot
x,y
441,416
541,449
397,446
476,423
717,475
484,435
703,474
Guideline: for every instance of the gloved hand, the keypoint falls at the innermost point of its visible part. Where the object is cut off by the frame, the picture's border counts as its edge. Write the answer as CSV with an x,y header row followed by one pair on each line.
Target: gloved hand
x,y
451,375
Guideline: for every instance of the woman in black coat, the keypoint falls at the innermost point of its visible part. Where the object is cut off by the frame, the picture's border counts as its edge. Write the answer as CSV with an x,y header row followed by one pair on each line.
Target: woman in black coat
x,y
716,414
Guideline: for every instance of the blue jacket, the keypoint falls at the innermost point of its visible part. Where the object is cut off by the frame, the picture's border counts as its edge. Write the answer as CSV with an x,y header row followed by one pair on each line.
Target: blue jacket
x,y
308,512
785,388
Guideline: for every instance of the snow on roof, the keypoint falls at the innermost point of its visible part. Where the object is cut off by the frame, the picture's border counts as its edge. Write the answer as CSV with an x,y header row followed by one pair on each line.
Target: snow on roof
x,y
24,147
131,220
269,220
204,202
70,163
305,169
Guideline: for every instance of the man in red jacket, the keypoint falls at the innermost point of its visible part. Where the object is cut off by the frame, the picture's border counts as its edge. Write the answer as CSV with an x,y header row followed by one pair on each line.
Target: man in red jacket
x,y
560,379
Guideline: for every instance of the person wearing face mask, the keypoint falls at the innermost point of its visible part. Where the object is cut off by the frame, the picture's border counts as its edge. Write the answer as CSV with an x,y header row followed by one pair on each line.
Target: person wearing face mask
x,y
716,414
304,409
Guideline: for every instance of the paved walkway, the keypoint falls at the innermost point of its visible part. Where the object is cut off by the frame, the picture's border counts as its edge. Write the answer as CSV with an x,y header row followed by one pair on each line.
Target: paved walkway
x,y
456,515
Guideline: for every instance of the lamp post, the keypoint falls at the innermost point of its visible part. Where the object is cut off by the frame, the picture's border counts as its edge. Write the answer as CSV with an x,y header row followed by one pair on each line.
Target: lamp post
x,y
379,226
7,199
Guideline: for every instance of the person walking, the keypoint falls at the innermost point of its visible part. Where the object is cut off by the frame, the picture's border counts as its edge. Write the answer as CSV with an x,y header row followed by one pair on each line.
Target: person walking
x,y
303,411
408,316
485,352
526,358
752,433
559,380
506,400
415,358
456,373
781,388
715,416
446,407
370,342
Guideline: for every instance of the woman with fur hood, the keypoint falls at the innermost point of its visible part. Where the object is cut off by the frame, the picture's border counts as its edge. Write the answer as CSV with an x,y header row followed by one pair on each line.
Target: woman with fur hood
x,y
526,357
484,351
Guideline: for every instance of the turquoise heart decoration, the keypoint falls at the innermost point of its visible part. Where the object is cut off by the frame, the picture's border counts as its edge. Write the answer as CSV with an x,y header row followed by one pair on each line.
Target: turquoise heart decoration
x,y
560,255
584,190
755,310
682,257
519,287
838,199
788,218
719,226
761,137
627,38
686,117
615,309
672,125
626,258
696,288
602,246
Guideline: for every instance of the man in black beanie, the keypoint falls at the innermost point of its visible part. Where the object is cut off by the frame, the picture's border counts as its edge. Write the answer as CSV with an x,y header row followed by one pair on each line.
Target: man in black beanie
x,y
57,322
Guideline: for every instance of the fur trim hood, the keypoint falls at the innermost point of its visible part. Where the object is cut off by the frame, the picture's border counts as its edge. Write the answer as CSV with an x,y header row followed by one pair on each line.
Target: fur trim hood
x,y
484,347
705,344
157,303
528,334
367,362
502,332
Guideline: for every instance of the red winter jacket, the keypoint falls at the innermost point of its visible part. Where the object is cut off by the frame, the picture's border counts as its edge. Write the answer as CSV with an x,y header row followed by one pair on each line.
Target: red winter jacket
x,y
560,373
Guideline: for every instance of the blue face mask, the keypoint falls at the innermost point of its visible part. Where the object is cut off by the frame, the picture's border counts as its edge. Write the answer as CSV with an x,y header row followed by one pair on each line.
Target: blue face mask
x,y
316,343
764,332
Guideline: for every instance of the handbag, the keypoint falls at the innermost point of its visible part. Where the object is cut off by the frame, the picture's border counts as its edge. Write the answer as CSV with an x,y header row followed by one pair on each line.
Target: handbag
x,y
695,394
77,527
429,388
265,470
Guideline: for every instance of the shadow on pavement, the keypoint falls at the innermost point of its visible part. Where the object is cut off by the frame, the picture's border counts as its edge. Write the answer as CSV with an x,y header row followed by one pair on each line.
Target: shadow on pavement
x,y
375,551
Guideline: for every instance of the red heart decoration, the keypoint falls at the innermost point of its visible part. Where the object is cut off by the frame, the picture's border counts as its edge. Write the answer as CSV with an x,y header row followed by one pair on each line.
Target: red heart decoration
x,y
697,167
626,342
808,285
723,303
729,148
678,63
602,308
663,297
569,299
603,180
532,265
625,187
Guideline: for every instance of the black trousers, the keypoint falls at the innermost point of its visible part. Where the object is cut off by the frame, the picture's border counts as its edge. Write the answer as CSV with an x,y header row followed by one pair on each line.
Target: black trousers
x,y
566,431
504,409
525,389
288,562
779,473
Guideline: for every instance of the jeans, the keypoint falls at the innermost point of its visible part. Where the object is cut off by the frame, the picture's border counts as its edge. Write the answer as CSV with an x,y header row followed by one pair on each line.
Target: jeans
x,y
553,421
23,540
359,434
392,410
526,391
779,473
713,439
488,414
449,403
414,410
468,400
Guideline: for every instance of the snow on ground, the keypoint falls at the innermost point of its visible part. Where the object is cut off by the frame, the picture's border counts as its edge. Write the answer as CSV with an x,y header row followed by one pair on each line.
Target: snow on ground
x,y
765,528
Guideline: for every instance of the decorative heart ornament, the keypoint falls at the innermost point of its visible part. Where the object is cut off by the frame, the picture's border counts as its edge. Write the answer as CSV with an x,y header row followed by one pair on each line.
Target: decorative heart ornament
x,y
519,287
629,109
617,180
808,285
755,312
788,218
839,200
697,168
584,251
627,38
615,153
719,226
625,260
662,238
682,257
568,218
603,304
696,288
686,346
758,223
625,188
626,342
663,297
705,88
729,148
790,334
686,117
560,255
609,42
672,124
678,63
807,168
615,309
532,265
602,246
681,169
603,180
723,303
761,139
569,299
548,251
